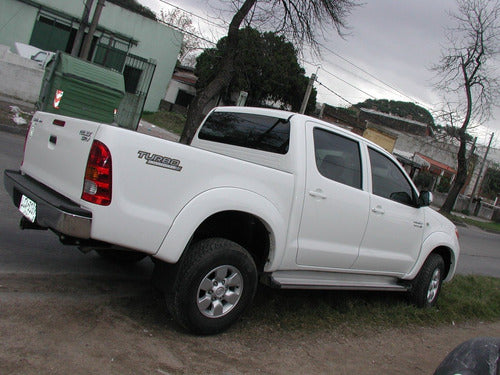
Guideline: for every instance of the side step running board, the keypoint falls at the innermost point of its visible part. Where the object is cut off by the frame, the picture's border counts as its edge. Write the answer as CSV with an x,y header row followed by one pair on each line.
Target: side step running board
x,y
332,280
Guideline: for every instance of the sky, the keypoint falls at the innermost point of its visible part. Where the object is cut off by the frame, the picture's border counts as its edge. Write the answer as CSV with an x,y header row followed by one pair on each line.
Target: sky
x,y
387,53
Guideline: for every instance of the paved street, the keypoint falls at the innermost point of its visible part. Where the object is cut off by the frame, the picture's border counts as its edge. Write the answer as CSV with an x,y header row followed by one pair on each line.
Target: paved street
x,y
40,252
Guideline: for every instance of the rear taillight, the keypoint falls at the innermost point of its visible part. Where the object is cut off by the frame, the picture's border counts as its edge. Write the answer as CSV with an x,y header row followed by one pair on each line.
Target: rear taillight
x,y
97,182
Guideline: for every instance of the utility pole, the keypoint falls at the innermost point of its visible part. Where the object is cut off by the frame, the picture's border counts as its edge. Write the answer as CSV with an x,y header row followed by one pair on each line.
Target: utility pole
x,y
480,172
81,30
308,93
93,26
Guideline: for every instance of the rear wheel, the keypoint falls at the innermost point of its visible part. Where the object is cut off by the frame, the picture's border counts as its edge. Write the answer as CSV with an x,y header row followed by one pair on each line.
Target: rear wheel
x,y
215,283
427,285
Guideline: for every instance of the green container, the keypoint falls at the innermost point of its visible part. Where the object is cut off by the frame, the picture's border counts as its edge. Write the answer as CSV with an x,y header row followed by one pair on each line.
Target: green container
x,y
78,88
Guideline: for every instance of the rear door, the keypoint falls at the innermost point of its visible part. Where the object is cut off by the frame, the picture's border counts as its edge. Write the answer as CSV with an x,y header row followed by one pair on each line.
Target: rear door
x,y
57,148
335,209
395,228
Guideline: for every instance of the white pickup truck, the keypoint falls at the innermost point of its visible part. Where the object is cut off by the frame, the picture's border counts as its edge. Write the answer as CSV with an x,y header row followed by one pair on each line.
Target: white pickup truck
x,y
260,194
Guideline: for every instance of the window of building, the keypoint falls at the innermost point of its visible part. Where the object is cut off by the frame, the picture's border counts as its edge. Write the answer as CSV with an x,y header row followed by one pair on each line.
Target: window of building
x,y
183,98
111,53
131,76
51,34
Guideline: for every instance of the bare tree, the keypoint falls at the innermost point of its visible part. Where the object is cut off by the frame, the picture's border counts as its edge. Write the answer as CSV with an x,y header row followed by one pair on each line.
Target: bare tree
x,y
301,20
181,21
467,80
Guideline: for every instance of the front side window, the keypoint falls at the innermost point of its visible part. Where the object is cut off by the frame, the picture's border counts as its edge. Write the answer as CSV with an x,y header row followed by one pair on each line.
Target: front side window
x,y
258,132
388,181
337,157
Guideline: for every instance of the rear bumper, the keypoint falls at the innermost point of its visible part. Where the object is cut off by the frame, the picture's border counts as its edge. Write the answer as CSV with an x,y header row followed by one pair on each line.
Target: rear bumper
x,y
53,210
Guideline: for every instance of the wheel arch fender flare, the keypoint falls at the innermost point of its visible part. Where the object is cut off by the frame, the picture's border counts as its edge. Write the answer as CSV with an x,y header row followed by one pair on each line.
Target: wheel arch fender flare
x,y
214,201
435,241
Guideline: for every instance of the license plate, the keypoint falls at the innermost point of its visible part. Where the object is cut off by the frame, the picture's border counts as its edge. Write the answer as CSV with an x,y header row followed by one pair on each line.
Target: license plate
x,y
28,208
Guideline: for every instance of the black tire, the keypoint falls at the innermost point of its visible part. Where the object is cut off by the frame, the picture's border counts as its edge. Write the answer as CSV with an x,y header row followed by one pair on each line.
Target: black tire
x,y
426,286
121,256
214,284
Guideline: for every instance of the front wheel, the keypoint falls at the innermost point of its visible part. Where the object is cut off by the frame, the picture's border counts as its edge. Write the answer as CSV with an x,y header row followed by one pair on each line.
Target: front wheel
x,y
427,285
215,283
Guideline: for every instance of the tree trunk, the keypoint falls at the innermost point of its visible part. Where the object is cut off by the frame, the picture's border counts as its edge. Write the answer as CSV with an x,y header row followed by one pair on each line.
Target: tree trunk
x,y
195,111
462,170
221,80
459,182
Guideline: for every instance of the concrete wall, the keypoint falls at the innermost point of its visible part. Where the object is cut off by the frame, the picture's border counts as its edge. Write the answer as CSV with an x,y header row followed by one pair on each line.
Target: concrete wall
x,y
17,20
20,78
156,41
479,209
444,152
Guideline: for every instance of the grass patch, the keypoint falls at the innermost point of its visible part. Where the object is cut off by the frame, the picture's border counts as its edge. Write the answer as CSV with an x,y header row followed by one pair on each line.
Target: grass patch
x,y
489,226
466,298
173,122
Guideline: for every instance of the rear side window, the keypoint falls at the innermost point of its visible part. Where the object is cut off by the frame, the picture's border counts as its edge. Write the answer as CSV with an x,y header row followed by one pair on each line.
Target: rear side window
x,y
258,132
337,158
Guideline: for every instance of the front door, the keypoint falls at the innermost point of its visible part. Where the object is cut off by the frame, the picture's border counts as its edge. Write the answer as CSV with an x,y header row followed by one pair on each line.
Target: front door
x,y
395,228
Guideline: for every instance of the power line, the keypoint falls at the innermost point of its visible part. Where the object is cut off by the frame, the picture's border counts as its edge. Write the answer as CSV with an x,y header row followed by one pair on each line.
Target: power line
x,y
188,32
347,83
340,79
334,93
193,14
371,75
360,77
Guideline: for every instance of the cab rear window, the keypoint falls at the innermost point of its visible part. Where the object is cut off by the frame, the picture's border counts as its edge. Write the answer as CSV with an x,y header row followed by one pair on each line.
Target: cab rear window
x,y
257,132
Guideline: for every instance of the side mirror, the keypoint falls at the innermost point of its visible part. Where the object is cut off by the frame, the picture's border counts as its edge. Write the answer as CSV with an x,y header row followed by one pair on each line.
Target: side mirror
x,y
425,199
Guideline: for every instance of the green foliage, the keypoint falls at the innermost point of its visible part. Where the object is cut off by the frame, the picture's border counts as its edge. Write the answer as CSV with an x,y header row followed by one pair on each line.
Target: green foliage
x,y
173,122
402,109
266,67
424,180
134,6
491,183
485,225
444,184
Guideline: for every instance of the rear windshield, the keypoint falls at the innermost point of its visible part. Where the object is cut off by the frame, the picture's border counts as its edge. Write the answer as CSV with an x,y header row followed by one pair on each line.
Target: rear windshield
x,y
259,132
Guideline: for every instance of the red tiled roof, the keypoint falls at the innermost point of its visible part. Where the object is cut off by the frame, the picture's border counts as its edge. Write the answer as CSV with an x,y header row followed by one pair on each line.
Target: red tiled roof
x,y
190,80
437,164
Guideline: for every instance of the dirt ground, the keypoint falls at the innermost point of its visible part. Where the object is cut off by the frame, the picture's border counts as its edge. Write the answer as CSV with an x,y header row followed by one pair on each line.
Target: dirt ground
x,y
81,325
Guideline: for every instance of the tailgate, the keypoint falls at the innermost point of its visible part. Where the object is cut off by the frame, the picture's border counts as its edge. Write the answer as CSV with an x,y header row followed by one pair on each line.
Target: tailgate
x,y
57,148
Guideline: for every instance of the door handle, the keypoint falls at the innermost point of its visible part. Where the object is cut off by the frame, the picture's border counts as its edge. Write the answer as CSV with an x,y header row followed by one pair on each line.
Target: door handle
x,y
318,193
378,210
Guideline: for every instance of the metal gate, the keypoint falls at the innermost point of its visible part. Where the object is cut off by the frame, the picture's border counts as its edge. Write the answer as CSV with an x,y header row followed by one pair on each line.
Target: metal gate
x,y
138,74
